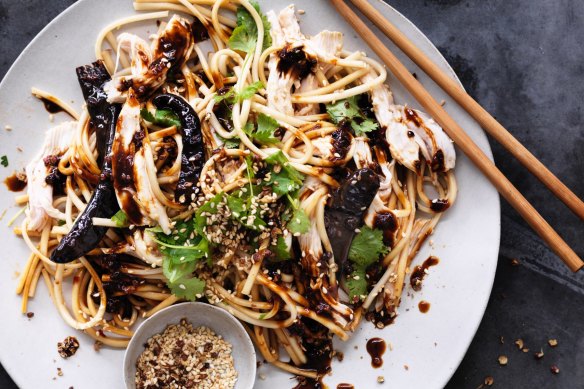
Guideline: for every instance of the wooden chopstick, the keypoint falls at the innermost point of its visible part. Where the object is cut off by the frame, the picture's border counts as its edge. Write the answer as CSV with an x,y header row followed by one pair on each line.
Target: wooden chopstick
x,y
488,122
463,141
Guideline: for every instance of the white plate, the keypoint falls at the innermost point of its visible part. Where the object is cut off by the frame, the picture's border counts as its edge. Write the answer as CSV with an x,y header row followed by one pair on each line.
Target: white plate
x,y
431,345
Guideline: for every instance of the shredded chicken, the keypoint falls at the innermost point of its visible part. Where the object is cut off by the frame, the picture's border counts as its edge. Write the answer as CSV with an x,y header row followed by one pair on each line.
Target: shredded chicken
x,y
135,193
40,193
150,65
279,86
326,44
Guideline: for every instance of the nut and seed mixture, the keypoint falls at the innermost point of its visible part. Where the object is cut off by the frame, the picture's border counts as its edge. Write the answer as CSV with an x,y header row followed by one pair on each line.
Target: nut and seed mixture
x,y
186,357
68,347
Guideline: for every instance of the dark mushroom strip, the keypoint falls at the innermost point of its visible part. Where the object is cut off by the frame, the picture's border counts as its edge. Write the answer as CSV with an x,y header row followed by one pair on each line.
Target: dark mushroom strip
x,y
91,79
193,156
346,210
85,236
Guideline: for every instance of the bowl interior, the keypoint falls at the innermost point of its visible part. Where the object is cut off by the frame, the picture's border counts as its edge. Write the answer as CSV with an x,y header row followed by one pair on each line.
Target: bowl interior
x,y
198,314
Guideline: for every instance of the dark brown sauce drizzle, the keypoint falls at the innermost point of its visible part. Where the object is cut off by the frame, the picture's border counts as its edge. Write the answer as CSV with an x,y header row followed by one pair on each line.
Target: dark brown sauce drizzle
x,y
341,140
345,386
296,61
309,383
386,222
50,106
376,347
16,182
424,306
420,272
200,31
439,205
318,348
438,161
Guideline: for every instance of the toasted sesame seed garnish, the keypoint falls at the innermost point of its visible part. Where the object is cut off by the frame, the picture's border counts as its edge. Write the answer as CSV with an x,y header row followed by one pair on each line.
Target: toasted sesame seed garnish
x,y
184,356
503,360
553,342
555,369
380,379
489,381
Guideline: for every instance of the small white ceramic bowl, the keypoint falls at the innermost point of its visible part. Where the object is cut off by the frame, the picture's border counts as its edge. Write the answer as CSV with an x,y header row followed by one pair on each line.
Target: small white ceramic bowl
x,y
198,314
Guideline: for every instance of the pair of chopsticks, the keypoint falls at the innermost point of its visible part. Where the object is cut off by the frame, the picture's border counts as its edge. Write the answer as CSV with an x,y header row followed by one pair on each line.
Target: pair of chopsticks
x,y
462,140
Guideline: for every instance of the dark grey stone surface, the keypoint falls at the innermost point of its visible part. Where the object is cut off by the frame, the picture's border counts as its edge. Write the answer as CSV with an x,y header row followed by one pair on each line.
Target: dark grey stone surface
x,y
523,60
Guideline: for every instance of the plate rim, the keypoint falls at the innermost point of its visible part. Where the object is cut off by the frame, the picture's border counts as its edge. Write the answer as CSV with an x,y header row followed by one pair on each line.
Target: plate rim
x,y
488,151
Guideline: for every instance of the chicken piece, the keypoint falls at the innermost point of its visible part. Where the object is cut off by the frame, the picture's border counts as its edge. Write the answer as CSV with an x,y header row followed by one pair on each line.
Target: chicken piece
x,y
378,215
326,44
289,24
439,148
279,85
40,192
142,246
404,144
411,133
139,51
150,65
323,147
131,172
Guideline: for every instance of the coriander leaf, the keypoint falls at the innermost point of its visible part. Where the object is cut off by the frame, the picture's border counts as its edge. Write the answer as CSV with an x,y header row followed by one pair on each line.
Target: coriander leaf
x,y
299,223
163,118
283,177
174,272
343,109
120,218
356,284
186,253
265,132
245,35
236,205
188,288
367,246
281,250
232,97
228,96
167,118
243,39
249,91
4,161
183,244
348,109
242,209
210,207
232,143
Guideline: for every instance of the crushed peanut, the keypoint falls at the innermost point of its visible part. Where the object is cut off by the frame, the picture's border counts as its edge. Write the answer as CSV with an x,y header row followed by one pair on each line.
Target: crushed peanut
x,y
186,357
553,342
503,360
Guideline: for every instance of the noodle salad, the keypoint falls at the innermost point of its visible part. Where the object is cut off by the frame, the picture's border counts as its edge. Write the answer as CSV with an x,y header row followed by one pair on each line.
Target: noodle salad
x,y
232,159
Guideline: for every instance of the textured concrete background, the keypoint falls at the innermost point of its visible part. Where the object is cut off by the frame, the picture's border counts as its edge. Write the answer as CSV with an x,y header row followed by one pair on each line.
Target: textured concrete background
x,y
522,59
